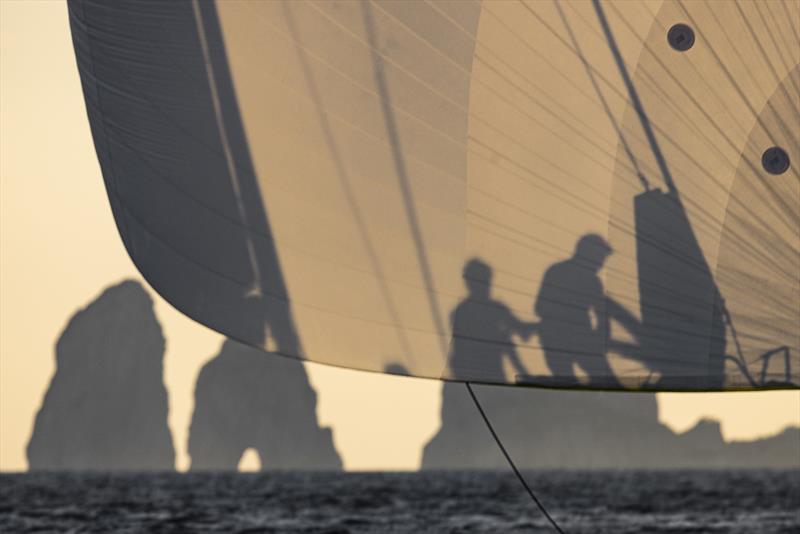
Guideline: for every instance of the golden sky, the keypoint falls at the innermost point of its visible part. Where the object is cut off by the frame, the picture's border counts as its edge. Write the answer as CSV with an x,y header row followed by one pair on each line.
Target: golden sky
x,y
59,248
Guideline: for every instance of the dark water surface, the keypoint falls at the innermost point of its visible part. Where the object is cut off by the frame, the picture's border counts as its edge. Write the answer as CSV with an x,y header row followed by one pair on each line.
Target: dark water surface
x,y
582,502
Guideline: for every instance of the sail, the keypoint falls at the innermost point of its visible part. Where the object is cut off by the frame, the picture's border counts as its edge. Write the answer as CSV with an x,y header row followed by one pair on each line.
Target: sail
x,y
558,194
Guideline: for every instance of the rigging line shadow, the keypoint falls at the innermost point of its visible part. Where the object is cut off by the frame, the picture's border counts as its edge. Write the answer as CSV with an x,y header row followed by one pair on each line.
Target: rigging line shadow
x,y
220,122
638,107
637,104
669,209
344,179
272,317
686,231
785,208
666,135
578,53
767,62
786,44
703,111
604,102
402,175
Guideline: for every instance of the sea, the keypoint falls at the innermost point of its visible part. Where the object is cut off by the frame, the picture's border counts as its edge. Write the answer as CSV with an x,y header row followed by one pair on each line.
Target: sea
x,y
619,502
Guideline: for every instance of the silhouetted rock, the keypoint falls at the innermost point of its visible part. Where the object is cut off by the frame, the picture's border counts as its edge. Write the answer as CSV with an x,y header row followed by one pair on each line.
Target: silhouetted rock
x,y
580,429
106,407
246,398
779,451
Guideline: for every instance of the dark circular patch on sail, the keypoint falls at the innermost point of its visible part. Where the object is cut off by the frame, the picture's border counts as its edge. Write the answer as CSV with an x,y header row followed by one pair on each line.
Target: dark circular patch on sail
x,y
680,37
775,160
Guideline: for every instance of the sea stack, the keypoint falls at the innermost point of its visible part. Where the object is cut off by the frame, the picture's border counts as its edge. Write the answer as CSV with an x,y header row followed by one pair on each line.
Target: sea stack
x,y
106,407
548,429
246,398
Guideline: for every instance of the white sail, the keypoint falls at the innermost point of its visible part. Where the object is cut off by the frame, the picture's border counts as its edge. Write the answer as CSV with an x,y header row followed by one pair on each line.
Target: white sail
x,y
561,194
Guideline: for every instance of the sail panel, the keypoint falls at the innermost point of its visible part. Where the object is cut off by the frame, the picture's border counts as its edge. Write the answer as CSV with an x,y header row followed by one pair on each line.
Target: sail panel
x,y
524,193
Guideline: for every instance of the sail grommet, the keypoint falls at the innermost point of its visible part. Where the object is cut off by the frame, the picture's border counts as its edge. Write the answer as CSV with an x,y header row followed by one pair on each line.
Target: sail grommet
x,y
680,37
775,160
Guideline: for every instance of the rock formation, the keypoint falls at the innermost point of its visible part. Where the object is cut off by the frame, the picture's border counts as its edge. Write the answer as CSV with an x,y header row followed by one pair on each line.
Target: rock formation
x,y
570,429
245,398
106,407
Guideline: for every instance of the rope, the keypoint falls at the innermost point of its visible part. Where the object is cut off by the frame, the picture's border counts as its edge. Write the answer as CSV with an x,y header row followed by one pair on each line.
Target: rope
x,y
510,461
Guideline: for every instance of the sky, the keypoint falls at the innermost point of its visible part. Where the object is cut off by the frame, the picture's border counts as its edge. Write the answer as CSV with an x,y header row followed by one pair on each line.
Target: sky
x,y
59,248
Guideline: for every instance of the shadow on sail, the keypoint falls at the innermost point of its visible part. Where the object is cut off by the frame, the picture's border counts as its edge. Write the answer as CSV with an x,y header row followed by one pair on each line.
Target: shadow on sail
x,y
573,330
573,308
482,330
388,156
197,175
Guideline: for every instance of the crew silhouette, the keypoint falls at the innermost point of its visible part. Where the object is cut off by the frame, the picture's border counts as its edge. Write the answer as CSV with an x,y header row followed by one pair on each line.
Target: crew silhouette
x,y
483,328
575,312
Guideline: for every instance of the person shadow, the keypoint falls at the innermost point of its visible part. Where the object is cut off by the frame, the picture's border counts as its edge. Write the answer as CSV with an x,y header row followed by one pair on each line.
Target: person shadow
x,y
672,342
575,327
483,330
575,314
573,330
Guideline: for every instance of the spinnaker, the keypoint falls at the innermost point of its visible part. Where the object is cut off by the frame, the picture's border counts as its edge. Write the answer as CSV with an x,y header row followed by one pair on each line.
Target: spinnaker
x,y
559,194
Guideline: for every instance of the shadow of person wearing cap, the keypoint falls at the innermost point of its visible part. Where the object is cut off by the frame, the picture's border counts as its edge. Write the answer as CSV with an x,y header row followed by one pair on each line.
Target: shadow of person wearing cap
x,y
575,312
